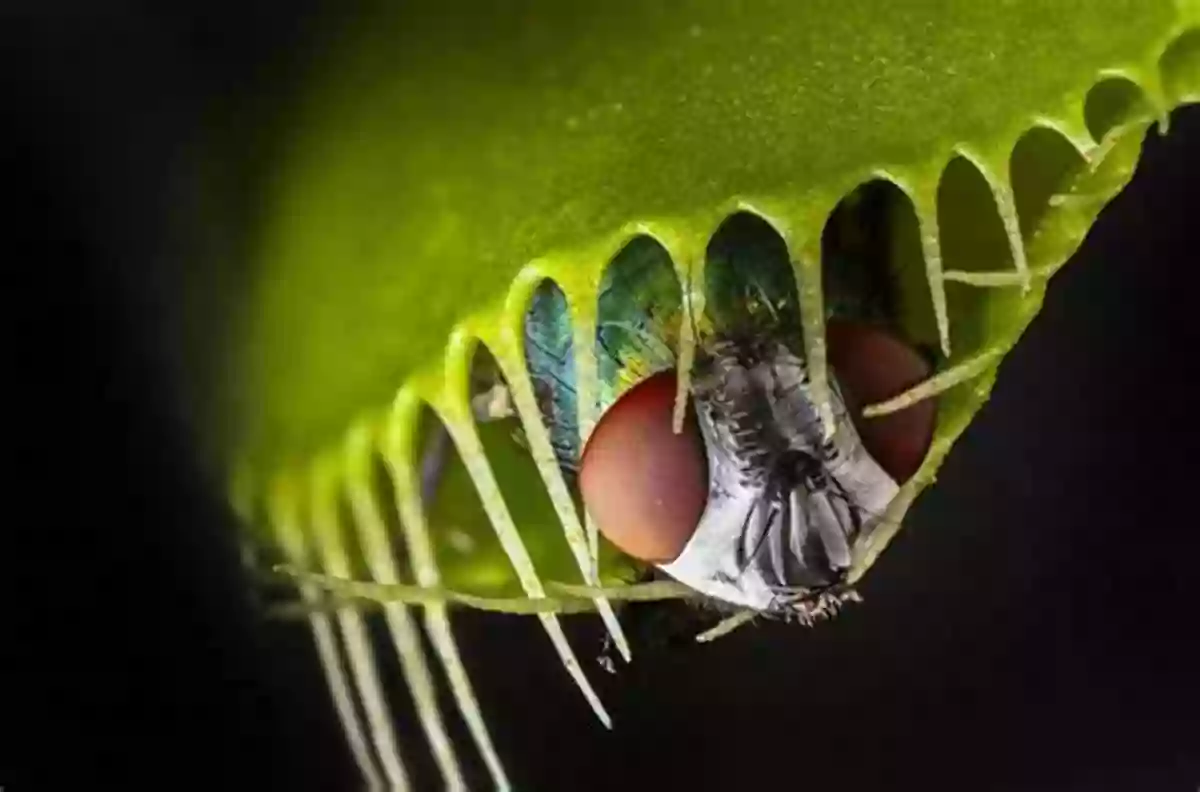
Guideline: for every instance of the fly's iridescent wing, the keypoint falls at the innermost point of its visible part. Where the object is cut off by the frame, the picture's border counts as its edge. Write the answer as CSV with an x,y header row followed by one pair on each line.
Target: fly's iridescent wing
x,y
640,315
549,353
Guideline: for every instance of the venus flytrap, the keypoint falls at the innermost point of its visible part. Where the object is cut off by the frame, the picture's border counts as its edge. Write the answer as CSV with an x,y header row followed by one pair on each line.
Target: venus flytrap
x,y
446,160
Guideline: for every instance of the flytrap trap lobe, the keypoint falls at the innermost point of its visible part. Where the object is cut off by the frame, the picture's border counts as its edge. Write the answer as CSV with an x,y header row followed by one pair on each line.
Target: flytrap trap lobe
x,y
785,500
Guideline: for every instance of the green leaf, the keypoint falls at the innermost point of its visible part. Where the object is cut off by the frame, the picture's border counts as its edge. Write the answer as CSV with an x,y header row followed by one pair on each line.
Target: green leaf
x,y
443,157
444,146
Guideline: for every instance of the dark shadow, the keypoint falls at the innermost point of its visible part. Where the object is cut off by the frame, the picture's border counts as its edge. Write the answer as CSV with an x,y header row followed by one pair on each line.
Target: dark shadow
x,y
1042,165
1111,103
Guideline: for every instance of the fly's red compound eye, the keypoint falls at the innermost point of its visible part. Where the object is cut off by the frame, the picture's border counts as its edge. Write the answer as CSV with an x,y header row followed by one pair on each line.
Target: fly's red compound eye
x,y
871,365
645,486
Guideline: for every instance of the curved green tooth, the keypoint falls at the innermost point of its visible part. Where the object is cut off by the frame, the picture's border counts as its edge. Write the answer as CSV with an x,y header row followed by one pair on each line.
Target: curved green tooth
x,y
400,454
331,554
284,509
584,549
380,558
453,407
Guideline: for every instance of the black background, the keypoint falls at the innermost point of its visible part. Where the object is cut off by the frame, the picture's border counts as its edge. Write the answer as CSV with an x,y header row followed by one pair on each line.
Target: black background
x,y
1033,628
